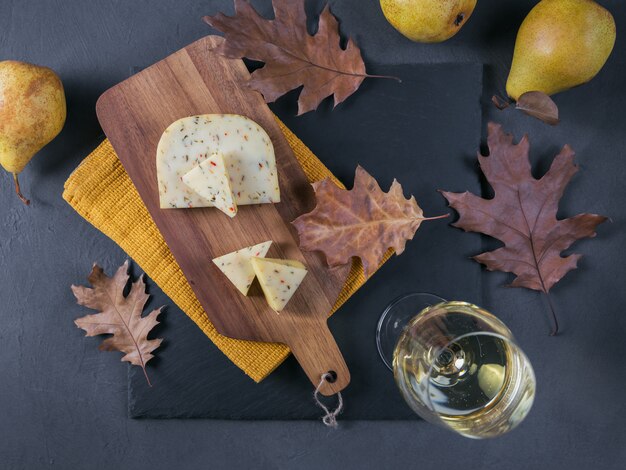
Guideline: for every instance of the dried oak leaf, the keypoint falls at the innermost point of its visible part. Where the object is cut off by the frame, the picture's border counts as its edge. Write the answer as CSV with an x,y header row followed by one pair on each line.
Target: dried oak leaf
x,y
540,106
292,56
119,315
522,214
363,222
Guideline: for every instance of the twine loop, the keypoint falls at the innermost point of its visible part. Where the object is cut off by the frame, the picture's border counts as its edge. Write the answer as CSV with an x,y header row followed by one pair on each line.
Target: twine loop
x,y
330,418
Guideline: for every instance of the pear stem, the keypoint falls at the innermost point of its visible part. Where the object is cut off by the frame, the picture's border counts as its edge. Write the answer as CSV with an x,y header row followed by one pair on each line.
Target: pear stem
x,y
18,191
500,102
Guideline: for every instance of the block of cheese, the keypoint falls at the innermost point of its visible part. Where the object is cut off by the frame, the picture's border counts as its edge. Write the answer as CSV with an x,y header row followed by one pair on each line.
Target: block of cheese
x,y
210,180
237,267
248,155
279,279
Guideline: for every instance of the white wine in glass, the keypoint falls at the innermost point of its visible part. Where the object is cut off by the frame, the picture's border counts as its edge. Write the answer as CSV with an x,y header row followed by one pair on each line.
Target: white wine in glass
x,y
458,366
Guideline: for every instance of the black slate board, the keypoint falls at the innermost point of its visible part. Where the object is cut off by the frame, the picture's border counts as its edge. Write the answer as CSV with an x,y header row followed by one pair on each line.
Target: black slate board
x,y
425,132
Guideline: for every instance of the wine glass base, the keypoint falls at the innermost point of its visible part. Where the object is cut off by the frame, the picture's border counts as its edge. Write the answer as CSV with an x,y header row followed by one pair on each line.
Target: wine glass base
x,y
395,317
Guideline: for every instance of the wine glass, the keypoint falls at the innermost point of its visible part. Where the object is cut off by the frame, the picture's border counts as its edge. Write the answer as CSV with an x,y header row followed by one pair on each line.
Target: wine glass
x,y
456,365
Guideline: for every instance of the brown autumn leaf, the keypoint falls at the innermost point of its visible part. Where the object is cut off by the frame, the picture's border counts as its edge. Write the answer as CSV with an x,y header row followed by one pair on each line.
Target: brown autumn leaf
x,y
291,55
118,315
363,222
522,214
540,106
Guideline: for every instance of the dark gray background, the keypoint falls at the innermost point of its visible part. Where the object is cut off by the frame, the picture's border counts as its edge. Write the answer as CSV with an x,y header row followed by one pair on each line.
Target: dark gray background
x,y
63,403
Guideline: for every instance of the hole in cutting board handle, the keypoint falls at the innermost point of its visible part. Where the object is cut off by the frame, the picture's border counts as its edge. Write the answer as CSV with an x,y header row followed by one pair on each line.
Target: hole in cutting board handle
x,y
331,376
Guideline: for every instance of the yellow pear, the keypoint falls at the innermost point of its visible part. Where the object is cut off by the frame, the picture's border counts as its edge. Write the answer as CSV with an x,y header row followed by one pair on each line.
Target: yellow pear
x,y
428,20
560,44
32,113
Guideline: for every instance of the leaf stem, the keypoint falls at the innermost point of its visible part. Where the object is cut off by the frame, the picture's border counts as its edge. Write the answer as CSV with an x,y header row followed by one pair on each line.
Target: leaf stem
x,y
146,375
436,217
391,77
555,330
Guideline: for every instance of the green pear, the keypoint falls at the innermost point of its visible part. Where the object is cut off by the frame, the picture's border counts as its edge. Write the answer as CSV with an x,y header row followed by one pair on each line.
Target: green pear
x,y
32,113
427,20
560,44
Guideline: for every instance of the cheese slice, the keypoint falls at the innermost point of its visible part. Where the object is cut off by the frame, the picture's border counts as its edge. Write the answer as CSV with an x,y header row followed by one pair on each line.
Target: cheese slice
x,y
279,279
210,180
246,148
237,267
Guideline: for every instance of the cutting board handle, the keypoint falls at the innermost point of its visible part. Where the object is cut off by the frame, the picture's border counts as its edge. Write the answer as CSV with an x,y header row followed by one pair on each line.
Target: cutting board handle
x,y
318,353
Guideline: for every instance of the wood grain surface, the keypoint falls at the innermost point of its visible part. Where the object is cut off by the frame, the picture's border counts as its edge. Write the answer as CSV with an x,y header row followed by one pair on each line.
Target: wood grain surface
x,y
192,81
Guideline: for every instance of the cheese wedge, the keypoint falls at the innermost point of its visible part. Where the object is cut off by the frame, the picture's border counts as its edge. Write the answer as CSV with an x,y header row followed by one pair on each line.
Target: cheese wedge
x,y
246,148
237,267
279,279
210,180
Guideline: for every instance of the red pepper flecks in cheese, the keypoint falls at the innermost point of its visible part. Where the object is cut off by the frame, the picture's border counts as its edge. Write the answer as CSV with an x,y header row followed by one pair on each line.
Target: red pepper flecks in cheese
x,y
279,279
210,180
246,148
237,267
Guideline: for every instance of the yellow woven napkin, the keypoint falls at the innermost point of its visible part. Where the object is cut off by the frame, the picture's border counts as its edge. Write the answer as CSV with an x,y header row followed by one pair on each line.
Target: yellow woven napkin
x,y
101,191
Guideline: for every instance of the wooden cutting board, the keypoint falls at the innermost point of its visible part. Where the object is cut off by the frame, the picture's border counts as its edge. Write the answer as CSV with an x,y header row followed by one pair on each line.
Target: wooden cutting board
x,y
192,81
